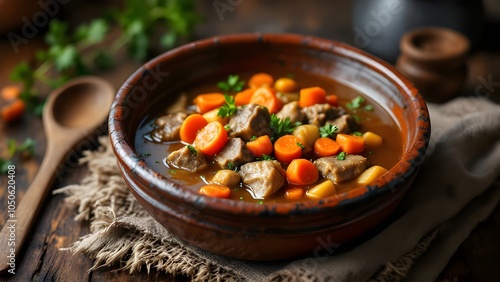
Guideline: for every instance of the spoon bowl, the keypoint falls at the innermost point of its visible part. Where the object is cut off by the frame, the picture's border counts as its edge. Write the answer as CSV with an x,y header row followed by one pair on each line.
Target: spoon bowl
x,y
72,112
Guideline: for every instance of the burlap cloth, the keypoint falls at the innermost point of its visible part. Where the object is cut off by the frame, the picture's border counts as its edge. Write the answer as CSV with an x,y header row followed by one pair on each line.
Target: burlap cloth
x,y
456,188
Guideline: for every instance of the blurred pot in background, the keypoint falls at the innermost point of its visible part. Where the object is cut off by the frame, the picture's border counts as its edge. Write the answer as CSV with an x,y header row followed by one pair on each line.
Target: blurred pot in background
x,y
380,24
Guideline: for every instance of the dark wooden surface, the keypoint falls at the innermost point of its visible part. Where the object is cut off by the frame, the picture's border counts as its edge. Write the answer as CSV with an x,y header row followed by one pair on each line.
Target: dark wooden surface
x,y
477,259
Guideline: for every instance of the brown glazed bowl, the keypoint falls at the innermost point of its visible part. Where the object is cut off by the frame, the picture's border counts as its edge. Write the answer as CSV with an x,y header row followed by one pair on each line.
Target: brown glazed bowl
x,y
268,231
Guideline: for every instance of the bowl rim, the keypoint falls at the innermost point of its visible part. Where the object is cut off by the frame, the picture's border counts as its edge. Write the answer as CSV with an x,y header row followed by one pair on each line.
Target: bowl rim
x,y
400,172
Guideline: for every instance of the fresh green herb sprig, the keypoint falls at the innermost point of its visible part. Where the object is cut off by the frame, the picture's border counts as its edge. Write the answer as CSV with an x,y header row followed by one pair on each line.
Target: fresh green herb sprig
x,y
193,150
341,156
229,108
232,84
76,51
282,127
357,103
328,130
25,150
265,158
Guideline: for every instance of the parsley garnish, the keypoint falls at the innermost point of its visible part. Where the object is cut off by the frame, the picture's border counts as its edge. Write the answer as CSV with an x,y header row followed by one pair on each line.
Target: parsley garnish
x,y
265,158
328,130
355,103
300,145
253,138
227,127
282,127
341,156
193,150
368,108
233,84
229,108
357,133
230,166
172,171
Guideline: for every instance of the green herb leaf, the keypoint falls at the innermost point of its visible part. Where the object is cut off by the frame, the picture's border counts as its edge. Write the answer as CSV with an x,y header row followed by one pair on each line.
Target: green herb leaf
x,y
300,145
341,156
57,34
355,103
193,150
368,108
328,130
103,60
230,166
253,138
233,84
4,165
265,158
229,108
282,127
357,133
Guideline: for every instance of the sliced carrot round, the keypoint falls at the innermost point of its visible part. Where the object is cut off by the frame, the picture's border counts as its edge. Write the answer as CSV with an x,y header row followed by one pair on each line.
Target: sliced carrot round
x,y
294,193
260,79
211,138
266,97
311,96
13,110
209,101
325,147
190,127
287,148
260,146
351,144
302,172
243,97
215,190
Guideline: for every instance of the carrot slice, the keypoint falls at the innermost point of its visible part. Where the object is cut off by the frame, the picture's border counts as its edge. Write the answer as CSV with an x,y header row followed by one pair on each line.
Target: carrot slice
x,y
260,146
302,172
260,79
333,100
209,101
287,148
215,190
211,139
10,92
311,96
325,147
266,97
351,144
13,111
294,193
190,127
243,97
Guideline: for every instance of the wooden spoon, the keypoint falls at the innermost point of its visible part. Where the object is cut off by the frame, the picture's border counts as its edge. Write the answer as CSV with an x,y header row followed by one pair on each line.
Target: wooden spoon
x,y
72,113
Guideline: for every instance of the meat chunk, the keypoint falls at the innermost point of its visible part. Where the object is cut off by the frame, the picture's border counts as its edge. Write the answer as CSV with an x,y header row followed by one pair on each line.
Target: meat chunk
x,y
234,153
318,114
250,120
226,177
263,177
187,158
168,127
292,111
341,170
345,123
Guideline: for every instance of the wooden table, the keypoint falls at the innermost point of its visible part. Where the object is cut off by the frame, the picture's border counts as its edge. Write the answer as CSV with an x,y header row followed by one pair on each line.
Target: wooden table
x,y
476,260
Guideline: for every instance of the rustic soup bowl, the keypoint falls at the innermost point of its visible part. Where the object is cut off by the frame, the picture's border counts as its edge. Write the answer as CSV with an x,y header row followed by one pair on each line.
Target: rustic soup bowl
x,y
267,231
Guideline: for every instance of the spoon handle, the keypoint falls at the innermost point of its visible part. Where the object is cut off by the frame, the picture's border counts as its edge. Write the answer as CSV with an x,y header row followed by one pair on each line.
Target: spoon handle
x,y
16,229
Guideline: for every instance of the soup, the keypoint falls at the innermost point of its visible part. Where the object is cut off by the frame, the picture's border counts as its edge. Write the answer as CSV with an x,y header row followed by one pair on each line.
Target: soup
x,y
270,137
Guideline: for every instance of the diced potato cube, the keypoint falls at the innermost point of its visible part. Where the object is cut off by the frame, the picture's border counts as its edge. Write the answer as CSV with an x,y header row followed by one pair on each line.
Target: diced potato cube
x,y
285,85
308,133
212,116
372,139
322,190
226,177
369,175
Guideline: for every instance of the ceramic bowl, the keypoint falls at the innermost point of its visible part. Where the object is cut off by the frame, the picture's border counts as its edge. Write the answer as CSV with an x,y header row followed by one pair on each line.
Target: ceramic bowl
x,y
268,231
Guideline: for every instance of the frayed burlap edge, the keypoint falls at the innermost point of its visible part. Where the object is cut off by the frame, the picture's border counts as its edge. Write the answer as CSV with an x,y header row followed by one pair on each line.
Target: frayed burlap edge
x,y
102,198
